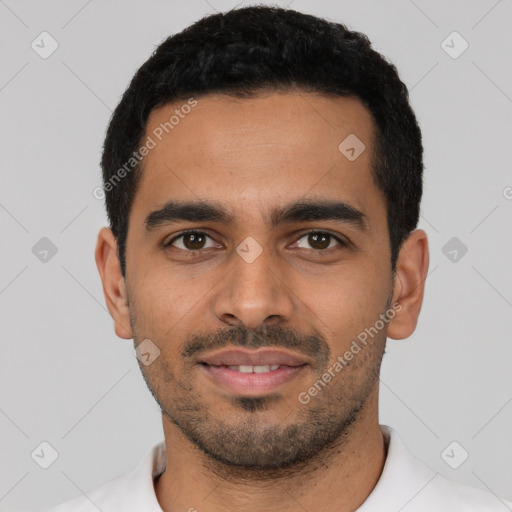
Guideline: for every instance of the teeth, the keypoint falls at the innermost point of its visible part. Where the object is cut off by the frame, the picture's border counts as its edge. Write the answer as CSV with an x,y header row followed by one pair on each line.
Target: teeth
x,y
254,369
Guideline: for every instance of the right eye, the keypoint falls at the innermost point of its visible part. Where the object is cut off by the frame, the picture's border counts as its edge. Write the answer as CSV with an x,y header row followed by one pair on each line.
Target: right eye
x,y
190,241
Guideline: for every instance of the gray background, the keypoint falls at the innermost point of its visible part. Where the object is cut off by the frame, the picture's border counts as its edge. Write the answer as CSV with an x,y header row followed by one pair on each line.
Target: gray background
x,y
68,380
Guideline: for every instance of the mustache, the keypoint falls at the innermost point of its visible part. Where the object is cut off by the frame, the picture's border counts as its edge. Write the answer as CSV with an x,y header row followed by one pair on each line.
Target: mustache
x,y
314,345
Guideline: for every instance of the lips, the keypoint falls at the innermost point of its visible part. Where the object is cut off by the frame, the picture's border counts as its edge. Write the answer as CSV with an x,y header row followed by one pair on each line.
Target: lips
x,y
252,372
244,359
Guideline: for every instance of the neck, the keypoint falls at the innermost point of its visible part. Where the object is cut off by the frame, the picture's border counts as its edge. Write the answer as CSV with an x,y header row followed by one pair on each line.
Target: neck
x,y
339,480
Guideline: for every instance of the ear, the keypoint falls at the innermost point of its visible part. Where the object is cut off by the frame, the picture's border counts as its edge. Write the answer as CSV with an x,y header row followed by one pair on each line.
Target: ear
x,y
114,287
409,284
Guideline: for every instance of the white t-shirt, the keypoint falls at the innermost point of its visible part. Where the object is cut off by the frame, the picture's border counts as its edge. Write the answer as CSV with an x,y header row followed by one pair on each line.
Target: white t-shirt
x,y
405,485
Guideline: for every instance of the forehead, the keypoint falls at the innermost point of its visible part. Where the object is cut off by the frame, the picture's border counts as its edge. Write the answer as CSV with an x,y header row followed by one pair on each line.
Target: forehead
x,y
261,150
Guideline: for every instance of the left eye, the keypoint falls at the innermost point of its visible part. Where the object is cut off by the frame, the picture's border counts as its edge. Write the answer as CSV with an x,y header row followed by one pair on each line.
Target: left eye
x,y
320,240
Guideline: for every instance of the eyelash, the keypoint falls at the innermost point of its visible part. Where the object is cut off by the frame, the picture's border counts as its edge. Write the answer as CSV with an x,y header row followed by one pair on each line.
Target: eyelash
x,y
198,232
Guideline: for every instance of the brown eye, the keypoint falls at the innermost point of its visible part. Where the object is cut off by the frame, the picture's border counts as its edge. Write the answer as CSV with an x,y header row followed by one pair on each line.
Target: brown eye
x,y
190,241
320,240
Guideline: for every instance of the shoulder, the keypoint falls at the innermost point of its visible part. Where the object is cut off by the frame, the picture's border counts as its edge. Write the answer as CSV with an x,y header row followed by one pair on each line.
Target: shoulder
x,y
409,485
130,491
105,497
456,497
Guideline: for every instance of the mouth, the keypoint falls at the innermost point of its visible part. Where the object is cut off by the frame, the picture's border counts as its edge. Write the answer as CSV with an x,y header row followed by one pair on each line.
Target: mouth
x,y
252,372
262,358
244,368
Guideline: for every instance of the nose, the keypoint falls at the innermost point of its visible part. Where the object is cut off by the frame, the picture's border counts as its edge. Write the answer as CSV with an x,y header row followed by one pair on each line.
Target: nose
x,y
254,291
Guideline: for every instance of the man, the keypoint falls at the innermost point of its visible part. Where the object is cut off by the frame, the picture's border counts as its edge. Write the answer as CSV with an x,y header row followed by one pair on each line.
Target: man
x,y
263,178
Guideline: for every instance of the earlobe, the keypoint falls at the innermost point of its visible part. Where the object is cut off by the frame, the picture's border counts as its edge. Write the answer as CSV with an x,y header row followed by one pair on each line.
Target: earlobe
x,y
114,288
409,284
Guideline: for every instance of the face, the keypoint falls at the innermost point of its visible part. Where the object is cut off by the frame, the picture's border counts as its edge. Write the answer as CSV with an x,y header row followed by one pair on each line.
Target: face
x,y
287,265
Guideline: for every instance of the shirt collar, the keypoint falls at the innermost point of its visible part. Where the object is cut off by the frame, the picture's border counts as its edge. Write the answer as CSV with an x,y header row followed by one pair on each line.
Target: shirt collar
x,y
142,495
402,478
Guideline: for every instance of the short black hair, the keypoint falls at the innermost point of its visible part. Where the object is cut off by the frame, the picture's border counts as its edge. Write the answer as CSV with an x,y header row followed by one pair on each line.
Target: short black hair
x,y
257,49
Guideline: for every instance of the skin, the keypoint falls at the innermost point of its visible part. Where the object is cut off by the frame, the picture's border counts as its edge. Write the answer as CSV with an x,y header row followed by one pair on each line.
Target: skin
x,y
252,155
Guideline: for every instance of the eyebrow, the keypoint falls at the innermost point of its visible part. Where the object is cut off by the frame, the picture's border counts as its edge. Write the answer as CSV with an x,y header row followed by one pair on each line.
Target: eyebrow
x,y
300,211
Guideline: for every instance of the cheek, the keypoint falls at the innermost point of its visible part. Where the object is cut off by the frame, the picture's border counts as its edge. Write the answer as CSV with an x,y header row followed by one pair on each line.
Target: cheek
x,y
348,301
164,296
159,309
